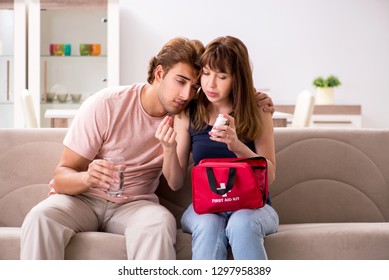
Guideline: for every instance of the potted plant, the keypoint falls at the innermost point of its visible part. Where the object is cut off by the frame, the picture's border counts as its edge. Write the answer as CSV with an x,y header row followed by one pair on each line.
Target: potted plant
x,y
325,89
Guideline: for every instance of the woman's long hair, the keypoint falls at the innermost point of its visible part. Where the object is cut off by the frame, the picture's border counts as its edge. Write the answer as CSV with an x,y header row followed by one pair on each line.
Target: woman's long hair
x,y
229,55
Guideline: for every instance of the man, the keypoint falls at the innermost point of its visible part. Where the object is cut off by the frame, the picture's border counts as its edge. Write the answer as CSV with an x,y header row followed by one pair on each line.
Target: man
x,y
118,121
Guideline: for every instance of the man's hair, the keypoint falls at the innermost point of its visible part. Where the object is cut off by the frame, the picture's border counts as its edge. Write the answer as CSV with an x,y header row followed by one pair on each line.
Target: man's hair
x,y
175,51
230,55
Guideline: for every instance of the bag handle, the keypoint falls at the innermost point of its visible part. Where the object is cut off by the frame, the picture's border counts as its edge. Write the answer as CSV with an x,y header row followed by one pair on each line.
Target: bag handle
x,y
212,181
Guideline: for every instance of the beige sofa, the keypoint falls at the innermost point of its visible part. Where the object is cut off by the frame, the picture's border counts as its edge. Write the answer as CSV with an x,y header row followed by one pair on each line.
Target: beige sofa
x,y
331,193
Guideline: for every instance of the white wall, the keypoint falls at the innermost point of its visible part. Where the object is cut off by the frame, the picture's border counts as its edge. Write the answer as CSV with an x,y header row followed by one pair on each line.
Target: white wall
x,y
290,43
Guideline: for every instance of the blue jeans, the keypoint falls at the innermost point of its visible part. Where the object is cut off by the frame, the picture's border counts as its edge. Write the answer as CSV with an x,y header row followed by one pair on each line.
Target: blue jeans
x,y
244,230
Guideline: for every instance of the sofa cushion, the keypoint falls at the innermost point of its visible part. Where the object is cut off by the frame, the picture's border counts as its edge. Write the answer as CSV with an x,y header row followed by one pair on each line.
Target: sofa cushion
x,y
331,175
329,241
183,245
15,204
96,245
10,243
108,246
28,158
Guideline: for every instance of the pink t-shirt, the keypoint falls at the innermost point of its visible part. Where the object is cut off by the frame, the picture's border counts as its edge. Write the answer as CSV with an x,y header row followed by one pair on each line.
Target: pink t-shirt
x,y
112,122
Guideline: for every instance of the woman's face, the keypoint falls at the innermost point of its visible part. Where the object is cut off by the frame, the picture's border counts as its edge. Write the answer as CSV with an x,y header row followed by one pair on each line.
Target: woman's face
x,y
217,86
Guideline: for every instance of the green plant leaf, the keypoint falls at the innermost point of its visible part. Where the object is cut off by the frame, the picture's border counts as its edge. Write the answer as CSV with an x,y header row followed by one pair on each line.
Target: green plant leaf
x,y
331,81
319,82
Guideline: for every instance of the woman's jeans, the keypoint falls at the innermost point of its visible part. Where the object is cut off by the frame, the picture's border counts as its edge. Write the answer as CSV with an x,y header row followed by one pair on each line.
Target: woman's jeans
x,y
244,230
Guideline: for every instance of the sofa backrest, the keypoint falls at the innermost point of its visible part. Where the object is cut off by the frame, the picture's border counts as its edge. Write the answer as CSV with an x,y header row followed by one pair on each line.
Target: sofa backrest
x,y
331,175
323,175
28,158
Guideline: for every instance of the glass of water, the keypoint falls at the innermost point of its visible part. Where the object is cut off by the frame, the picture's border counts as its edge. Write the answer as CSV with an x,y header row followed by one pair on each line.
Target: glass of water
x,y
116,188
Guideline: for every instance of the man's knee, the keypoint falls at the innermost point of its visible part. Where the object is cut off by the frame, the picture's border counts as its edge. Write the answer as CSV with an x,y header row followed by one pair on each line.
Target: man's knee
x,y
36,214
166,221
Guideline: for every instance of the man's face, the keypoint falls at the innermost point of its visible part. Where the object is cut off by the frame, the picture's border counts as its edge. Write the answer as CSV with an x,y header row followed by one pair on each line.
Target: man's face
x,y
178,87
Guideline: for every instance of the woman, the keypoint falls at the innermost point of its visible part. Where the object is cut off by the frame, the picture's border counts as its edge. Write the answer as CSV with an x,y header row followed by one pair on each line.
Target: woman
x,y
226,88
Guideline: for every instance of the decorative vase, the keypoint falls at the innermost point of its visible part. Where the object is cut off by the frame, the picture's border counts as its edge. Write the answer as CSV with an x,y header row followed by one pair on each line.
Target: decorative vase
x,y
324,96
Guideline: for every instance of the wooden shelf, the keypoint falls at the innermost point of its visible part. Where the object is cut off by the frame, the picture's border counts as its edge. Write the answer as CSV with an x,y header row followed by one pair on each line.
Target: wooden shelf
x,y
330,115
7,4
70,4
325,109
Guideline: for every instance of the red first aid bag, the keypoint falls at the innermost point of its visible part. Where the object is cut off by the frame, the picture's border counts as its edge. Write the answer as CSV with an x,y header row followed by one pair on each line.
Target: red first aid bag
x,y
229,184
